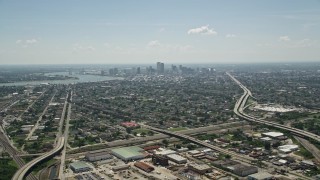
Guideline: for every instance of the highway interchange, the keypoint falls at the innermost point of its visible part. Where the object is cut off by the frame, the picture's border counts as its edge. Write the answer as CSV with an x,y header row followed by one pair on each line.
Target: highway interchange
x,y
239,107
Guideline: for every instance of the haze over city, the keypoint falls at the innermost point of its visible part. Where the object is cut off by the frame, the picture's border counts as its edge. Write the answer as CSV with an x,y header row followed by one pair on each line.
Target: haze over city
x,y
160,90
131,32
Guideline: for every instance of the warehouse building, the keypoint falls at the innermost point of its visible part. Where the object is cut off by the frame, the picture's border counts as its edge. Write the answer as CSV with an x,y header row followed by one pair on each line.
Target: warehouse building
x,y
275,135
120,167
92,157
288,148
260,176
163,151
200,168
243,170
143,166
79,166
177,158
129,153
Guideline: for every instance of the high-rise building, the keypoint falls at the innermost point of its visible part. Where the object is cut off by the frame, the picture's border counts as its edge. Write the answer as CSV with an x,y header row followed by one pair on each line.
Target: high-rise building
x,y
160,67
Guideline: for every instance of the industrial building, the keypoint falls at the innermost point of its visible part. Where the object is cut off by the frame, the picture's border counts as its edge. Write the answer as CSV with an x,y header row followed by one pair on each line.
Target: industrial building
x,y
143,166
200,168
92,157
288,148
160,160
120,167
79,166
128,153
243,170
177,158
260,176
275,135
163,151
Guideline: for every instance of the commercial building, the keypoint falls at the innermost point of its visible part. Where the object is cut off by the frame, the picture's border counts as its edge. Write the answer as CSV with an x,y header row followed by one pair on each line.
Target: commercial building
x,y
98,156
177,158
261,176
143,166
200,168
128,153
79,166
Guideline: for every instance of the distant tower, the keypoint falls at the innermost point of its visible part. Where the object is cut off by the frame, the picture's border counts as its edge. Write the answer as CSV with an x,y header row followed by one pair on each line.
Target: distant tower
x,y
138,70
160,67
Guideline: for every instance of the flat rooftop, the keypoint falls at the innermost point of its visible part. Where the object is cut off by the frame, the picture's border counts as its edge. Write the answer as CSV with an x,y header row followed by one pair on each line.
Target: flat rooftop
x,y
79,165
273,134
128,152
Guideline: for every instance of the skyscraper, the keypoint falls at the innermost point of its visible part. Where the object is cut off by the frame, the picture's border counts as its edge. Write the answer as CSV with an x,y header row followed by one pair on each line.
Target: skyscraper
x,y
160,67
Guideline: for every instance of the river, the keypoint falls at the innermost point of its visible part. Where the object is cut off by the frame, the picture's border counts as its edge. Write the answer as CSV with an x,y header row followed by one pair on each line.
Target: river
x,y
81,79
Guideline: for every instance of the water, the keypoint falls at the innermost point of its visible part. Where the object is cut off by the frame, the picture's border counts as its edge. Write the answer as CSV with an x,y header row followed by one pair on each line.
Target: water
x,y
81,79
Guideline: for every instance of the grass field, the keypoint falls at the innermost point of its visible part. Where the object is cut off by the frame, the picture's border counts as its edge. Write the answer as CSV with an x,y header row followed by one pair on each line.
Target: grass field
x,y
141,130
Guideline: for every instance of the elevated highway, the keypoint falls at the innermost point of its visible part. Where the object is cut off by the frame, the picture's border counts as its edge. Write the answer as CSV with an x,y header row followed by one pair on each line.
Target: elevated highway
x,y
23,171
242,158
239,107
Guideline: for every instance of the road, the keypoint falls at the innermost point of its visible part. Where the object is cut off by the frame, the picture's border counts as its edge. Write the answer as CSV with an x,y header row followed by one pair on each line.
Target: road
x,y
66,134
239,107
19,118
40,118
24,170
310,147
5,142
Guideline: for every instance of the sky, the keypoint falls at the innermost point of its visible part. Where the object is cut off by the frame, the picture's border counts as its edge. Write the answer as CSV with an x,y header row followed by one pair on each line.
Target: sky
x,y
147,31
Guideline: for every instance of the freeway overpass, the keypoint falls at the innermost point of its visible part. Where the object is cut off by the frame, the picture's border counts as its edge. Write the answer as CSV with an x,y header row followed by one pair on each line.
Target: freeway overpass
x,y
23,171
239,107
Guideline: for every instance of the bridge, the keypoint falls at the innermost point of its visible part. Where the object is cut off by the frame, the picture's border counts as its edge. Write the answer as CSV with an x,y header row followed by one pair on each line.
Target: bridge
x,y
23,171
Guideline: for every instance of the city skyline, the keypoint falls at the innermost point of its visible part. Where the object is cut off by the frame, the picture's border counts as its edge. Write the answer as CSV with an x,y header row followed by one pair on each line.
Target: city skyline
x,y
208,32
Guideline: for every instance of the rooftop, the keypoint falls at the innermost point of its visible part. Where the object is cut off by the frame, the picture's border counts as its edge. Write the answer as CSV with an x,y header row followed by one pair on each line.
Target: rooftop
x,y
176,157
79,165
273,134
128,152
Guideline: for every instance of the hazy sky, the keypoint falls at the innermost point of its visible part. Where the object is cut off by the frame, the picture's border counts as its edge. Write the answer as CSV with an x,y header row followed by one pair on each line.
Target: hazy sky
x,y
146,31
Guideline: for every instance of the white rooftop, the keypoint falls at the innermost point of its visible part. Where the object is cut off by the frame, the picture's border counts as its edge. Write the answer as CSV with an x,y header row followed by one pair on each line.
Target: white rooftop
x,y
289,147
273,134
162,151
176,157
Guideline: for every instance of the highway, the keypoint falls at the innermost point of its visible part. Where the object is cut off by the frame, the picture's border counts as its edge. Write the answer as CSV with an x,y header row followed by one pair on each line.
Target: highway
x,y
23,171
237,156
239,107
66,134
8,147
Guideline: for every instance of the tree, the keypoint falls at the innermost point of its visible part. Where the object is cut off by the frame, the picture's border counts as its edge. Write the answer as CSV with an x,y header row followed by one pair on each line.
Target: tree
x,y
267,146
143,134
165,142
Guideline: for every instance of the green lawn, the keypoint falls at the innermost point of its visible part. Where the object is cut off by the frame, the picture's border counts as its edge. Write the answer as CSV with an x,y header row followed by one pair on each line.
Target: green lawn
x,y
141,130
